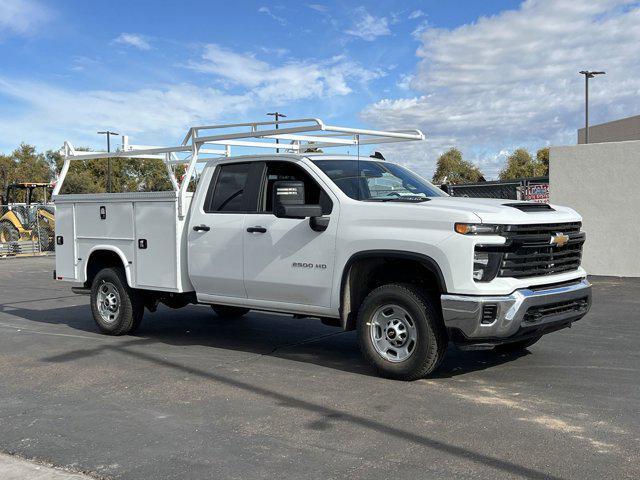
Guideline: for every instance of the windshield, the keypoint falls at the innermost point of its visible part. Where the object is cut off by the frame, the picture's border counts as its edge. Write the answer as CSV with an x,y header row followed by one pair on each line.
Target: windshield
x,y
378,181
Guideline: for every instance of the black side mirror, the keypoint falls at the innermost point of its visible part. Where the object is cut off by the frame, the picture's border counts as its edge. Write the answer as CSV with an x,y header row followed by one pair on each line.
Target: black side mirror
x,y
288,201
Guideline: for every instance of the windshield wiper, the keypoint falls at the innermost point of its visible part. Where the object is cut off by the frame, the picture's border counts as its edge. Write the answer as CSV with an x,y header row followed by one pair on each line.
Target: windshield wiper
x,y
398,199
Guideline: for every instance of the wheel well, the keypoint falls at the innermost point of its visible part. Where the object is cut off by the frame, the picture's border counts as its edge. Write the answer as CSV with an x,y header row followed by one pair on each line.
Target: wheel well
x,y
365,273
100,259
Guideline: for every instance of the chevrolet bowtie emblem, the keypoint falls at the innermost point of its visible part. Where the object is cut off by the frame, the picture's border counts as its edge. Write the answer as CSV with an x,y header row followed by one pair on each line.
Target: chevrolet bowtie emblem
x,y
559,239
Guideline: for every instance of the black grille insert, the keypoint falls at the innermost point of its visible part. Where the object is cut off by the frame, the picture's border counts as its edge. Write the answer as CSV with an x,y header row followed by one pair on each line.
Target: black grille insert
x,y
528,251
542,312
489,313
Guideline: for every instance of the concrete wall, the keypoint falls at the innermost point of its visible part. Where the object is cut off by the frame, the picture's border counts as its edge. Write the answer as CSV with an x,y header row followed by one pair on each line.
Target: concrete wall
x,y
602,182
616,131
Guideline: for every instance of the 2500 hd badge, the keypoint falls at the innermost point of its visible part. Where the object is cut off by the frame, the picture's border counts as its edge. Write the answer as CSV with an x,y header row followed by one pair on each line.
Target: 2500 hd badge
x,y
321,266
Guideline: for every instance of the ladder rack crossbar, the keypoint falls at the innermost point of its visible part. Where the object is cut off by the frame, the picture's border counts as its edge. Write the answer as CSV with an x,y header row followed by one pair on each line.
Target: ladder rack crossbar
x,y
252,135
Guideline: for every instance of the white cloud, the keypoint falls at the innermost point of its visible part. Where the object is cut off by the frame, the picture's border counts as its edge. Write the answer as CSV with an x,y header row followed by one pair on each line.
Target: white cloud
x,y
49,114
56,114
135,40
278,52
404,82
267,11
318,7
416,14
22,17
290,81
367,27
512,79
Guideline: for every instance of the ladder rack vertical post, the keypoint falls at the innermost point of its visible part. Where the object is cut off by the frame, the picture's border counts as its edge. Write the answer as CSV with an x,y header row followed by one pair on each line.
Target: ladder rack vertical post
x,y
172,176
182,197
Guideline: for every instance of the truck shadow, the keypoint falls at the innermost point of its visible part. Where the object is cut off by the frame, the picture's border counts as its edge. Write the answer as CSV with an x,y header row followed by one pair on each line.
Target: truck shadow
x,y
281,336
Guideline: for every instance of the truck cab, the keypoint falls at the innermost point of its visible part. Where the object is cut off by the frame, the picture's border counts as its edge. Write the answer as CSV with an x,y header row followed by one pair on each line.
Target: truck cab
x,y
359,242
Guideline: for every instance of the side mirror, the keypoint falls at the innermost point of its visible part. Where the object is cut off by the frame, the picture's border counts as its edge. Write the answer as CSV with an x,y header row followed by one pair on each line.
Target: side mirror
x,y
288,201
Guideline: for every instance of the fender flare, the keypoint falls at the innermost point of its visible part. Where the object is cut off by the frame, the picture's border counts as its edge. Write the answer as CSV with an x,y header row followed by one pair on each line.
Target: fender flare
x,y
425,260
125,263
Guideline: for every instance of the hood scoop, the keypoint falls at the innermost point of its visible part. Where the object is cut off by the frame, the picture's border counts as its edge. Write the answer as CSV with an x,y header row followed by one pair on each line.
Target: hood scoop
x,y
530,207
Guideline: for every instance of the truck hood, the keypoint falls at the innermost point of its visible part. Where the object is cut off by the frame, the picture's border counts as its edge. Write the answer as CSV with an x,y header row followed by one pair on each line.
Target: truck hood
x,y
504,211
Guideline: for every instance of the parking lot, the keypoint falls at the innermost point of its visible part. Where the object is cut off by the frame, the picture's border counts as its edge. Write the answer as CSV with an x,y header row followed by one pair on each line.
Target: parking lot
x,y
192,395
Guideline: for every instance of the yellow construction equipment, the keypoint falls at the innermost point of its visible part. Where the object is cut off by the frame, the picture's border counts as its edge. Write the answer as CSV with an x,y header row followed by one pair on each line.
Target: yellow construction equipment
x,y
27,218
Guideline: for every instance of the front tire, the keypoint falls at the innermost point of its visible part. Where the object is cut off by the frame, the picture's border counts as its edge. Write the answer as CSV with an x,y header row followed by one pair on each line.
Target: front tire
x,y
400,332
116,308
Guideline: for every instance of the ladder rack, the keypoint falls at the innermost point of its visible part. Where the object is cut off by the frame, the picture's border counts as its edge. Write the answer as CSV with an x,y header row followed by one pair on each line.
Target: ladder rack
x,y
301,134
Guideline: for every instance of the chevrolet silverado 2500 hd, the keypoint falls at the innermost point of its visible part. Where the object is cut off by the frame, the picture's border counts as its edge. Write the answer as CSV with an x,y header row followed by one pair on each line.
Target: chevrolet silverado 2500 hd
x,y
359,242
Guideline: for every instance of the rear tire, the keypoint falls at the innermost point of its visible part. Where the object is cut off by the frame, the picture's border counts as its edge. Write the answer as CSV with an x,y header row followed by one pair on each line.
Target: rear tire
x,y
45,240
8,232
516,346
116,308
226,311
400,331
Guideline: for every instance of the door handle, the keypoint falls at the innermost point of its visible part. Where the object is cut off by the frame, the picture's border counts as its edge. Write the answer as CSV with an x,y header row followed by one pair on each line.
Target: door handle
x,y
257,230
201,228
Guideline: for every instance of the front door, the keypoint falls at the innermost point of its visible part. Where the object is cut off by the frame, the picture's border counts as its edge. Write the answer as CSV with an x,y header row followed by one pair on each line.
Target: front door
x,y
217,233
284,259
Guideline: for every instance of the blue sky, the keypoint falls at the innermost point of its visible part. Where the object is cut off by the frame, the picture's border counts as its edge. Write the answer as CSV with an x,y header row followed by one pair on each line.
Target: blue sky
x,y
485,76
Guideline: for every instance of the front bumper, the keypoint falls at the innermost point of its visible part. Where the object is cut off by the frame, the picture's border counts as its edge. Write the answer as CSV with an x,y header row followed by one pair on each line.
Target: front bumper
x,y
529,311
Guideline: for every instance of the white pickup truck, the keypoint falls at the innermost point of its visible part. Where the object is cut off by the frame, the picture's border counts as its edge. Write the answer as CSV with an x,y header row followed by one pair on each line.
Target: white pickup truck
x,y
354,240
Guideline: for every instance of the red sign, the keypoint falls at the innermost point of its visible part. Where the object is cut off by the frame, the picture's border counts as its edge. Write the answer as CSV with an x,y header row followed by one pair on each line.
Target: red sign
x,y
537,193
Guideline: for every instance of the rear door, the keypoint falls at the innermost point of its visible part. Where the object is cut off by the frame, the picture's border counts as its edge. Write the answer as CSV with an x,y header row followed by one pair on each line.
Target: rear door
x,y
217,233
284,259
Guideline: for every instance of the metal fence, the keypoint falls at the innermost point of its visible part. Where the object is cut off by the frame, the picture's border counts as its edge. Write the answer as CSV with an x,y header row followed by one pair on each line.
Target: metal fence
x,y
510,189
27,230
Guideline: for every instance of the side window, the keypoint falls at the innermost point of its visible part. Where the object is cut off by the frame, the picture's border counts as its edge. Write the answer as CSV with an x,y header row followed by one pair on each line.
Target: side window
x,y
228,194
276,171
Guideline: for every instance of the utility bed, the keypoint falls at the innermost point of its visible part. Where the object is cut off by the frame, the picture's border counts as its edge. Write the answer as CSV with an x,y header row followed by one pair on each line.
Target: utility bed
x,y
143,227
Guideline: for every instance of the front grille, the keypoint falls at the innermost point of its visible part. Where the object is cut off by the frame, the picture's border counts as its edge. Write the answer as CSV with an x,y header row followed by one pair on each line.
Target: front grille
x,y
528,251
542,312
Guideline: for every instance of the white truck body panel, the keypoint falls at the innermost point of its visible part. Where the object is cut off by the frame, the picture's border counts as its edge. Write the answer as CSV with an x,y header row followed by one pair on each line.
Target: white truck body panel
x,y
117,222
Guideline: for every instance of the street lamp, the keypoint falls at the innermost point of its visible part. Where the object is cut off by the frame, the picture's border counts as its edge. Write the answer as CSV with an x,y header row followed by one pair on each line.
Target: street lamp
x,y
587,75
108,134
277,115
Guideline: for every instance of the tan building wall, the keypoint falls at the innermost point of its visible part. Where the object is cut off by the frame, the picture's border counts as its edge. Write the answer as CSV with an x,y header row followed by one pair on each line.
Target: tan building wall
x,y
602,182
617,131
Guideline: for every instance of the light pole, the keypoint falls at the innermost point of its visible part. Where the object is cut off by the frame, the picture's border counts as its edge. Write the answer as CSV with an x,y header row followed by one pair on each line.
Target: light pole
x,y
277,115
587,75
108,134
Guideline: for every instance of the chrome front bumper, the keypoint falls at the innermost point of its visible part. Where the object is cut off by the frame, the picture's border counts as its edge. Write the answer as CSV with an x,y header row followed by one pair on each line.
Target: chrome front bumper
x,y
525,308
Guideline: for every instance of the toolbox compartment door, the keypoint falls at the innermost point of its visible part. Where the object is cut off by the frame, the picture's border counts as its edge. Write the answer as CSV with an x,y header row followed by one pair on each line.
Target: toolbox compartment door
x,y
156,245
65,242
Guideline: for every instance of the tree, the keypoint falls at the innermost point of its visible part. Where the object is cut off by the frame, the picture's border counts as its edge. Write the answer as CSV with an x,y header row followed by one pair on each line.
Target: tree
x,y
520,164
542,157
127,175
7,172
24,164
453,169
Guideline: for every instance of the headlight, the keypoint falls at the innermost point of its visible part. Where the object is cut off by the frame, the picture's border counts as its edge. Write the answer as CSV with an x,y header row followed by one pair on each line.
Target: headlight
x,y
477,229
485,265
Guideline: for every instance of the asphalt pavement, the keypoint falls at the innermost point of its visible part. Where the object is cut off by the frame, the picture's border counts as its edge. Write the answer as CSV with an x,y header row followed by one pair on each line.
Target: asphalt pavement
x,y
192,396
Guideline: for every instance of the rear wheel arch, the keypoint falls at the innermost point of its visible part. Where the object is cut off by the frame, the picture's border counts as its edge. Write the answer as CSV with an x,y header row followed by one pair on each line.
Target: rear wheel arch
x,y
367,270
102,257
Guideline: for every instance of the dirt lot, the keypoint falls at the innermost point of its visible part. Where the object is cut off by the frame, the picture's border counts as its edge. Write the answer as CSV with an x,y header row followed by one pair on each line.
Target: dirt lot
x,y
197,396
